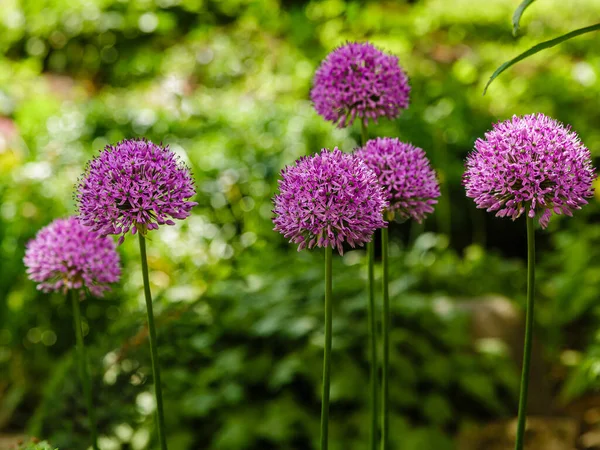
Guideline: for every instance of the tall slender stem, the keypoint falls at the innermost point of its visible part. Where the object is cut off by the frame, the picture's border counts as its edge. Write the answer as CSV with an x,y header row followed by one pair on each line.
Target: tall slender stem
x,y
364,133
372,325
153,347
386,343
327,355
84,375
443,210
373,345
528,333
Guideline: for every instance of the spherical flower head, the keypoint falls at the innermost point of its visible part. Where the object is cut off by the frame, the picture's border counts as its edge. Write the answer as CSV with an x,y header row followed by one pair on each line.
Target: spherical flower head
x,y
359,80
327,199
409,183
531,164
68,255
135,185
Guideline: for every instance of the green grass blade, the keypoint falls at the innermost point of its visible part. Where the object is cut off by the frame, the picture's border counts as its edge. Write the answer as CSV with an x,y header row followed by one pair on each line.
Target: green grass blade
x,y
516,19
538,48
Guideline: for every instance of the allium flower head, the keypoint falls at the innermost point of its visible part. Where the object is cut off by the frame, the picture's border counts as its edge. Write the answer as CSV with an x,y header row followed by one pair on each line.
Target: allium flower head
x,y
409,183
328,199
531,164
359,80
135,185
68,255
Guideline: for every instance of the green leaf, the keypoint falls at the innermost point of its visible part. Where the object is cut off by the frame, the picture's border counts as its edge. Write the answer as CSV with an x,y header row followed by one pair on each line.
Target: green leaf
x,y
518,13
437,409
538,48
481,388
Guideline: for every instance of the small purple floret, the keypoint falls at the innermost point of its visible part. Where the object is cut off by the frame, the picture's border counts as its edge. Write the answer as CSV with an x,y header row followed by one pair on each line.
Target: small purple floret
x,y
530,165
359,80
327,199
135,185
409,183
68,255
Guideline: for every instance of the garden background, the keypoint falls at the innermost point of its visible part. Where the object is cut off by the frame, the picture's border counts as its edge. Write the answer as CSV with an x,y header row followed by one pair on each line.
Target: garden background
x,y
239,311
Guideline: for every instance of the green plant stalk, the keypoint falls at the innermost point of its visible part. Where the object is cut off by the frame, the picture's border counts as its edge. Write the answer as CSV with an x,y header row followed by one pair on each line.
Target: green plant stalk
x,y
373,344
327,354
443,209
84,375
153,346
386,342
528,334
372,326
364,133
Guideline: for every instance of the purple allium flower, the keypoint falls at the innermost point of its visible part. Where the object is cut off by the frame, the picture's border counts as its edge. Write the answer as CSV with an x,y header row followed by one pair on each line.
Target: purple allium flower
x,y
359,80
328,199
530,164
135,185
68,255
409,183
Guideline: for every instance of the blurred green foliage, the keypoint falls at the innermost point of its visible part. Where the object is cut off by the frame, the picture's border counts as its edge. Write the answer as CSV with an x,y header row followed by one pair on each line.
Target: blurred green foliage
x,y
242,366
225,84
34,445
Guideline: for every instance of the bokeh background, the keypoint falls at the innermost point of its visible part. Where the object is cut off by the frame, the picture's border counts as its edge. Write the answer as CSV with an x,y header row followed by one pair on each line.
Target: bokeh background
x,y
239,311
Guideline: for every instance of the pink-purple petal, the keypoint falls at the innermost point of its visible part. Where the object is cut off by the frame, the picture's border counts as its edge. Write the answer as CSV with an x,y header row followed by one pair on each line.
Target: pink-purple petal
x,y
66,254
329,199
359,80
530,164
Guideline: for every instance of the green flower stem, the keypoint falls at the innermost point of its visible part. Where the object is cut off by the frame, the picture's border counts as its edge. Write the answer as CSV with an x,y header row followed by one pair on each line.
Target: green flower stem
x,y
327,355
153,347
364,134
372,326
443,209
84,375
373,345
386,343
528,333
